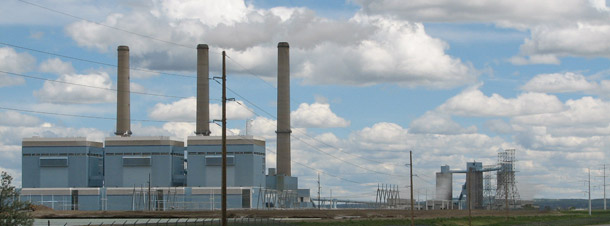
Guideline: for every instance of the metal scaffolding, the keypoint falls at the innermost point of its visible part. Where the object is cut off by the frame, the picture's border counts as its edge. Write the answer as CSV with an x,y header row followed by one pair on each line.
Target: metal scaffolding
x,y
506,189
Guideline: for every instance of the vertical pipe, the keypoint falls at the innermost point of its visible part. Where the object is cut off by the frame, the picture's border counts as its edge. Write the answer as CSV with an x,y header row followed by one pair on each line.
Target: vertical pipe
x,y
224,141
203,91
283,109
122,113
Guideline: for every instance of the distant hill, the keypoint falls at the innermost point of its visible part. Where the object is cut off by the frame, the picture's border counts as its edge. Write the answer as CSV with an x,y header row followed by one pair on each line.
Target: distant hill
x,y
571,203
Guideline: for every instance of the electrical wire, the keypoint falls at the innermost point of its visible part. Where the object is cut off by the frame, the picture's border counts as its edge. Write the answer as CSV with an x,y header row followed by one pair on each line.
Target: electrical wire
x,y
93,61
105,25
316,148
272,116
304,165
83,116
95,87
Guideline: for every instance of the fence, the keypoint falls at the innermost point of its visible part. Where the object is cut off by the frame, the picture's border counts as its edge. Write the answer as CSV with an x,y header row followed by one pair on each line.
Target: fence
x,y
160,221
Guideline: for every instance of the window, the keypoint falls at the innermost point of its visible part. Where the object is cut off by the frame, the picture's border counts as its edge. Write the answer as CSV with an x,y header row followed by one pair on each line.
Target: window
x,y
54,162
217,160
136,161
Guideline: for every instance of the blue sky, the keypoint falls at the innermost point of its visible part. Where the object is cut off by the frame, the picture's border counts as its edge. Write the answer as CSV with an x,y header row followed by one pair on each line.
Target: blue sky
x,y
452,81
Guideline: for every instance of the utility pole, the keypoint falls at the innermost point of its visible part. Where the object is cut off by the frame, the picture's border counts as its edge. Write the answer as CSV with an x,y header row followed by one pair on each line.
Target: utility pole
x,y
411,178
318,190
148,207
224,140
604,186
469,179
589,191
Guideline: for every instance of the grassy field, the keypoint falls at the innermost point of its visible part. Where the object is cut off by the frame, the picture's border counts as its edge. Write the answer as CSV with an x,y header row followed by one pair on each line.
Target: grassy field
x,y
576,218
344,217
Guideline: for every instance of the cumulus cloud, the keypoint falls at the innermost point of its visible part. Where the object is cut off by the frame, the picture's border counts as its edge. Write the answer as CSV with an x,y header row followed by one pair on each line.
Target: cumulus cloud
x,y
262,127
57,92
559,83
518,14
398,52
13,118
572,28
568,82
383,135
438,123
535,59
499,126
56,66
582,39
584,111
473,102
185,110
14,62
316,115
377,49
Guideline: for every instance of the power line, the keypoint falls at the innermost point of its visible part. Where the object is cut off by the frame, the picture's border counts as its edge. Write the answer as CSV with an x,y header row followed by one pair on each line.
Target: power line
x,y
83,116
306,166
104,25
94,62
348,162
251,73
95,87
272,116
316,148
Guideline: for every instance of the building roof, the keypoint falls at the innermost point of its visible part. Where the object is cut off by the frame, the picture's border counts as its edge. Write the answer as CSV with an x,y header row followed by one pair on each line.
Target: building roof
x,y
59,142
138,141
217,140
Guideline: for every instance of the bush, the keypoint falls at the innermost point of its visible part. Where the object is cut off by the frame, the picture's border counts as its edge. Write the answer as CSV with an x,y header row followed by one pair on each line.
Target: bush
x,y
12,210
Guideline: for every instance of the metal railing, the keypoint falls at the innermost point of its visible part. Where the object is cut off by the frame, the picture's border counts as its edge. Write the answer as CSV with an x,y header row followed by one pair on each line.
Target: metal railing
x,y
161,221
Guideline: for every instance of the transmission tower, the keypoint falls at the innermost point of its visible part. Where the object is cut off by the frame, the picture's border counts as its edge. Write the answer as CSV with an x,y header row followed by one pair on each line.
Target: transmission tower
x,y
507,194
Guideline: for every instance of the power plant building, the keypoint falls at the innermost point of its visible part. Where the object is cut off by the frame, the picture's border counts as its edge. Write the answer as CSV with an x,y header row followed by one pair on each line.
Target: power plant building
x,y
245,161
131,161
61,163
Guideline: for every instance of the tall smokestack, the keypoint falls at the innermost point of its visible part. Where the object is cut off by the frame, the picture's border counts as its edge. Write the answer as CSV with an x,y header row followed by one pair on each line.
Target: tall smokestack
x,y
123,123
203,91
283,109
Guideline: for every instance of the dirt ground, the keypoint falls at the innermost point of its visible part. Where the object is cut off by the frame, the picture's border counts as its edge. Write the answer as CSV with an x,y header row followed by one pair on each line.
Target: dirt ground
x,y
298,213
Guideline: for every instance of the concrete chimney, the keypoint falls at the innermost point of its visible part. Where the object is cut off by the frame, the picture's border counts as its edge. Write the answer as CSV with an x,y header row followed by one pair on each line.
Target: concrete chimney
x,y
203,91
283,109
123,122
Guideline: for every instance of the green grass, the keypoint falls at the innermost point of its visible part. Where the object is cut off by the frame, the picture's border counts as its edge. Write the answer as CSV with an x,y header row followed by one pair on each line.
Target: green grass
x,y
566,218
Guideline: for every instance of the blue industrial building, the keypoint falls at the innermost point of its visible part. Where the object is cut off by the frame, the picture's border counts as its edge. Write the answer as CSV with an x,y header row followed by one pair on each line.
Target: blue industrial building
x,y
61,163
131,161
245,161
77,174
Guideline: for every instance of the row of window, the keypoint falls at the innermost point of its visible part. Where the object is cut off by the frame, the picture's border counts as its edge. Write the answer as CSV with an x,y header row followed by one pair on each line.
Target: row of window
x,y
64,154
145,153
140,154
145,161
228,153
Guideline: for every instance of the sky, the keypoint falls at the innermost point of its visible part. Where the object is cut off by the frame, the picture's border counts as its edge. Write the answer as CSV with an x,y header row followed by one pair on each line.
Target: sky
x,y
451,81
